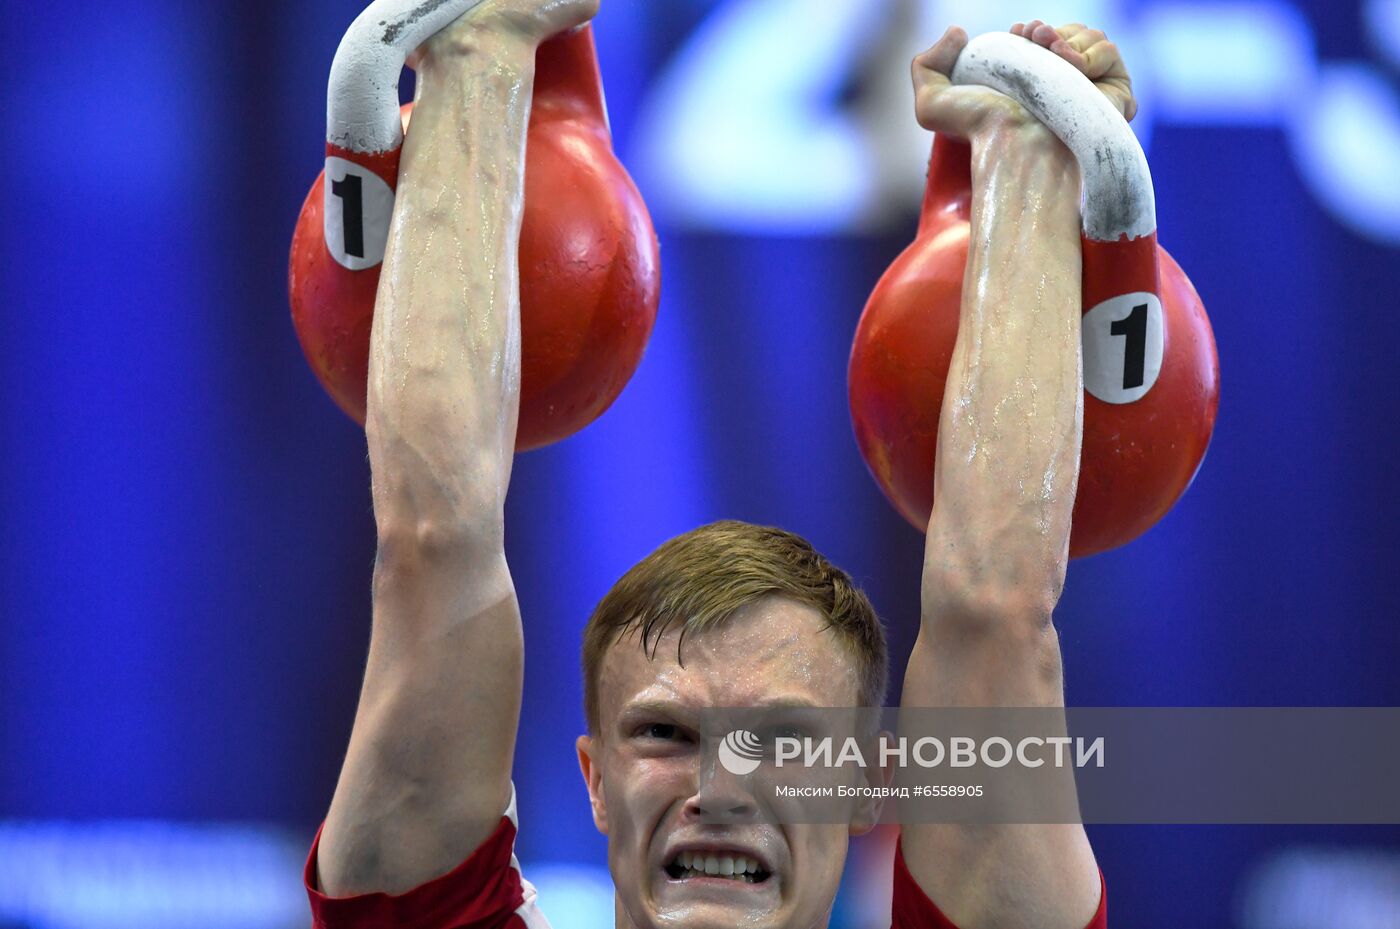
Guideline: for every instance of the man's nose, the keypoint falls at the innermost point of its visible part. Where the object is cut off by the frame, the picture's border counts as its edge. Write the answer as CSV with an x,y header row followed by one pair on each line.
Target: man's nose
x,y
721,797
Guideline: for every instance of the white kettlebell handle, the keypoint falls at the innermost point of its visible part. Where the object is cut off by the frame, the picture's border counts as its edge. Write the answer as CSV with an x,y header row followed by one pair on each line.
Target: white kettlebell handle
x,y
364,132
362,101
1116,183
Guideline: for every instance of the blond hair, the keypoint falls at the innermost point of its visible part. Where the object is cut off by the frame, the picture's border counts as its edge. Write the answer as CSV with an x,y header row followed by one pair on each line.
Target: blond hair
x,y
701,578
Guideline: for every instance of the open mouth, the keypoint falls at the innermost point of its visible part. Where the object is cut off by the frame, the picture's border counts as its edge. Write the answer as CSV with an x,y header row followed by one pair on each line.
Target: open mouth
x,y
723,865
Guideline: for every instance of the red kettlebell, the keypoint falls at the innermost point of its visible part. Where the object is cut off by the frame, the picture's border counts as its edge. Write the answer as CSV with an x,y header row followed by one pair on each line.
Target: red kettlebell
x,y
589,266
1151,373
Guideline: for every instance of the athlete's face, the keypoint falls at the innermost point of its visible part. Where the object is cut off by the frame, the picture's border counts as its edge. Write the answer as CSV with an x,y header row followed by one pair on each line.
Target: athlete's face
x,y
644,775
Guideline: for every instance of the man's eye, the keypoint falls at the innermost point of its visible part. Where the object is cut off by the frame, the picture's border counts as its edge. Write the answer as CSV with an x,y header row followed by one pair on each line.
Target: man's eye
x,y
663,731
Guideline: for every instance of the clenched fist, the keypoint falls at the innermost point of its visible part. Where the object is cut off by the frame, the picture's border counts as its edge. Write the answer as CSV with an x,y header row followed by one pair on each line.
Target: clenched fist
x,y
964,110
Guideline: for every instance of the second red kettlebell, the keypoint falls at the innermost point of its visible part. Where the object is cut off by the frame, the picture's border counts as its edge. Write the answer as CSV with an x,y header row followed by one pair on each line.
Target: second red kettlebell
x,y
589,263
1150,366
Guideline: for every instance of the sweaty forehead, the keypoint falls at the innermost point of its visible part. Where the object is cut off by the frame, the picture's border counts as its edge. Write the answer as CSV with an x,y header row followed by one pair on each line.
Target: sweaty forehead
x,y
772,650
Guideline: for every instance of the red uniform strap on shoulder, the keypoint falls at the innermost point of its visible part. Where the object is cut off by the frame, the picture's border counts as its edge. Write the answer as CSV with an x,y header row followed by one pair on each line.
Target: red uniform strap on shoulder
x,y
912,909
483,892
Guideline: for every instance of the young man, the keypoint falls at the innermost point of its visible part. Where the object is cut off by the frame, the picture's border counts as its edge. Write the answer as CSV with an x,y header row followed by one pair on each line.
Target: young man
x,y
728,615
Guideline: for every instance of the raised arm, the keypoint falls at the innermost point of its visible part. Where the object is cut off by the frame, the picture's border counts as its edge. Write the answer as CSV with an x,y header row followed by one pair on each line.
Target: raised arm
x,y
1005,479
427,774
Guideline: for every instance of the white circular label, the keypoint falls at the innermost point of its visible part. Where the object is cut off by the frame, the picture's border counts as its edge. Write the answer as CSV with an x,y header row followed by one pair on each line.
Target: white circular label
x,y
358,206
1123,347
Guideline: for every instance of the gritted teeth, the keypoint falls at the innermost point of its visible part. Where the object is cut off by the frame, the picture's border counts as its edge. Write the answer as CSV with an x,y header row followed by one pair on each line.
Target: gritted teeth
x,y
716,864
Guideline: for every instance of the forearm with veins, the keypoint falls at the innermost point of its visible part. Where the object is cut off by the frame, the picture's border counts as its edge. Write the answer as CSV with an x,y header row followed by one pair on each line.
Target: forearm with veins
x,y
1009,433
444,378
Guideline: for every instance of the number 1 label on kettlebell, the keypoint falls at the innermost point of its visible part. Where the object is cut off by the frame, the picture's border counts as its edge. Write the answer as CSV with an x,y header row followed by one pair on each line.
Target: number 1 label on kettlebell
x,y
358,206
1123,347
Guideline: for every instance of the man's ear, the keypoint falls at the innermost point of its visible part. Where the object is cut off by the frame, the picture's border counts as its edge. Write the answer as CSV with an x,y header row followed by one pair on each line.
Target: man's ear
x,y
867,811
591,767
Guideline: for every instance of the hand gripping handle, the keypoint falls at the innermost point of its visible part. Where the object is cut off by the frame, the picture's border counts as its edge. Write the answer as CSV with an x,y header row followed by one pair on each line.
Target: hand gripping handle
x,y
1119,213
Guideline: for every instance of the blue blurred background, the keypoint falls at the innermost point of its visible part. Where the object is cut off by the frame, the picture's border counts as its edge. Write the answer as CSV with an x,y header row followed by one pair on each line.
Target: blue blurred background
x,y
187,528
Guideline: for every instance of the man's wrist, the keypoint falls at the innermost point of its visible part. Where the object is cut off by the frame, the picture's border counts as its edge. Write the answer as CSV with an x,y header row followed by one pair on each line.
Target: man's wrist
x,y
470,47
1020,137
1028,151
487,66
